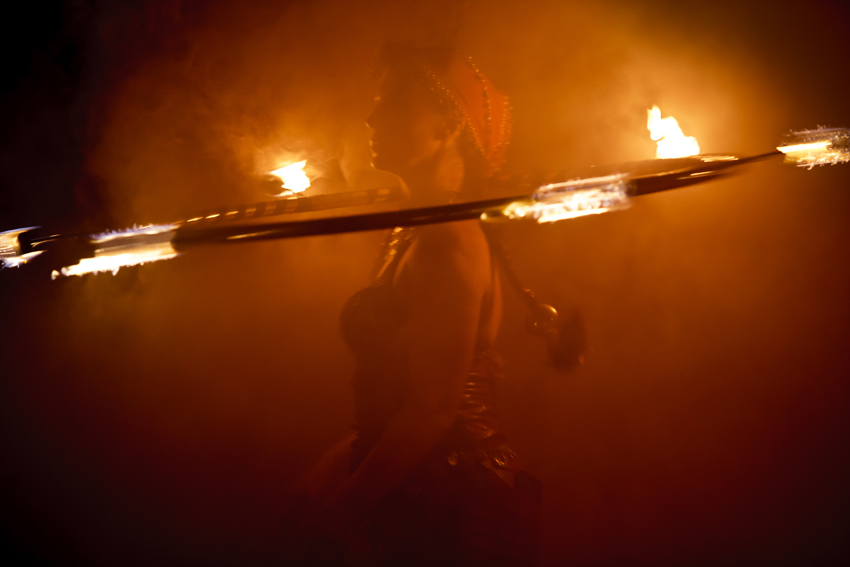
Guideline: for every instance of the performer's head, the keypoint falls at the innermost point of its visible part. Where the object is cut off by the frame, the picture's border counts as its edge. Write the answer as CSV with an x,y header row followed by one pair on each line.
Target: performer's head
x,y
434,107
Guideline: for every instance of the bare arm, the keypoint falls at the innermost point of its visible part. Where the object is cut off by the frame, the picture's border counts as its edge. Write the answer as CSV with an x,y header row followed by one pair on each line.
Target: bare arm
x,y
442,282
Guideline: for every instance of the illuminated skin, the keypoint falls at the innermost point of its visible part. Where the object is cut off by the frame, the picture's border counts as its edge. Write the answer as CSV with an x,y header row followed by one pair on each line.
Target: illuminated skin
x,y
412,138
445,281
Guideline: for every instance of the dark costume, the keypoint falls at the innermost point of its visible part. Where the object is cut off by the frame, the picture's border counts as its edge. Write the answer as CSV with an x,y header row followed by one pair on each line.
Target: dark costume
x,y
453,509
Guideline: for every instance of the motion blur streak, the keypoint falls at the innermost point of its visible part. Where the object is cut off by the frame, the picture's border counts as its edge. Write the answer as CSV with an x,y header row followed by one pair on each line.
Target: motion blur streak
x,y
823,146
18,261
111,260
119,249
573,199
160,417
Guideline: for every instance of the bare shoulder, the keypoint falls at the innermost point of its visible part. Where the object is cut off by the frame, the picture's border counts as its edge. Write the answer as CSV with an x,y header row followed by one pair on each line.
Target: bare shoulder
x,y
455,242
450,250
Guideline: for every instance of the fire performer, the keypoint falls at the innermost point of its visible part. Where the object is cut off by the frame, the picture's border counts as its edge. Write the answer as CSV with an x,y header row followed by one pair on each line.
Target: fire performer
x,y
427,478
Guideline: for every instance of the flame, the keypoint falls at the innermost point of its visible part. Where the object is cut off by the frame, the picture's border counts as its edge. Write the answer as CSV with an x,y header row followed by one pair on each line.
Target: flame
x,y
111,261
804,148
293,177
129,234
822,146
131,247
573,199
10,248
18,261
672,143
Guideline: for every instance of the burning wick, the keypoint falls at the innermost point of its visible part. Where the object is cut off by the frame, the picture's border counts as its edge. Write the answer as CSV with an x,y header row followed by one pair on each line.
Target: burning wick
x,y
672,143
131,247
293,177
821,146
572,199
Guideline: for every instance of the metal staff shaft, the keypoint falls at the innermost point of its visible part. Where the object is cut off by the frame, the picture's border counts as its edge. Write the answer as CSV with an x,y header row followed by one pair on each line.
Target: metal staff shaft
x,y
545,198
297,204
647,177
188,236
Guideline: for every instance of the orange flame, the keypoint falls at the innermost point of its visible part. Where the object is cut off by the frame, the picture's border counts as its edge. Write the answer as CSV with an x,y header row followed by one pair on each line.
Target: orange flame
x,y
672,143
118,249
293,177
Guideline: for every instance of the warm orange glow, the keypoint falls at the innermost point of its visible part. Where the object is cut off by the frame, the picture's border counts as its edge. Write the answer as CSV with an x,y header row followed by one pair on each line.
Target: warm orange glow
x,y
820,146
803,148
110,261
16,261
672,142
131,247
572,199
293,177
10,249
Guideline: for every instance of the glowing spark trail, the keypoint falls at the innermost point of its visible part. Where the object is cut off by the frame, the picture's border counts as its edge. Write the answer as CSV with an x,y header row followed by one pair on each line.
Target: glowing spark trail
x,y
823,146
119,249
671,141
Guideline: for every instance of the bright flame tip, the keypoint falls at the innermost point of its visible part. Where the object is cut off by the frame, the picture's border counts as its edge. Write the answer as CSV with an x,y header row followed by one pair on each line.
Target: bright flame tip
x,y
821,146
671,141
573,199
293,177
18,261
123,248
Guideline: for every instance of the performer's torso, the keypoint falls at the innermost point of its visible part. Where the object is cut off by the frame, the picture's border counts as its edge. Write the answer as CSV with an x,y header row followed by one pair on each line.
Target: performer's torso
x,y
373,323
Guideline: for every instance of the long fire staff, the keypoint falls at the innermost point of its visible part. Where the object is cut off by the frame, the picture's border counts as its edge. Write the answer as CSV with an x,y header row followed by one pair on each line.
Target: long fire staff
x,y
542,198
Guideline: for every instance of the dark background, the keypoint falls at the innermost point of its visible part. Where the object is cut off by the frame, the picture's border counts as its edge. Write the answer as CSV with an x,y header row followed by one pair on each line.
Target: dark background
x,y
163,414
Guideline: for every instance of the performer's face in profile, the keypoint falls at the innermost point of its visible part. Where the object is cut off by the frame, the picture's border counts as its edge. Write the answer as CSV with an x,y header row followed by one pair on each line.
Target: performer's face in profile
x,y
408,129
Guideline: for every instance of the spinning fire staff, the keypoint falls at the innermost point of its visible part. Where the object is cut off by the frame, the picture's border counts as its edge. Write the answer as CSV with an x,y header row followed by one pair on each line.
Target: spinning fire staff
x,y
542,198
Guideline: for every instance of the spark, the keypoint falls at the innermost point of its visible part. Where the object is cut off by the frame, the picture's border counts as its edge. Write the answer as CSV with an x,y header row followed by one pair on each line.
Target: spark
x,y
822,146
130,233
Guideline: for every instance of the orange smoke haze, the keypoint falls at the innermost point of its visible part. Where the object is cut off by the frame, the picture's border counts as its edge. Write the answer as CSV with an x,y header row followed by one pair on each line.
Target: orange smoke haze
x,y
164,414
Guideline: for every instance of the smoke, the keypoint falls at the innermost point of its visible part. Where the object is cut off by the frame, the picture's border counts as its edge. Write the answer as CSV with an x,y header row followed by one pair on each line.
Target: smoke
x,y
163,414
